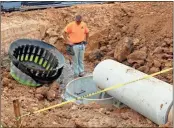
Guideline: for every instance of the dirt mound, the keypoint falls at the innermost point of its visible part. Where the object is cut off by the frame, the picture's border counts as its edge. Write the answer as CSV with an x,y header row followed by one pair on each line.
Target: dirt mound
x,y
151,32
49,92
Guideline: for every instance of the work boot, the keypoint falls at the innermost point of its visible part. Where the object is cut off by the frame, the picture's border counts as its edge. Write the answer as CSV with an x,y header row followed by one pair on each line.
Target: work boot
x,y
75,76
81,74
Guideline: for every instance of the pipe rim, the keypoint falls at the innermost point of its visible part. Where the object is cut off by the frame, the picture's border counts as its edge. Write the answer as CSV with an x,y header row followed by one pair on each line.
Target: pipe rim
x,y
69,84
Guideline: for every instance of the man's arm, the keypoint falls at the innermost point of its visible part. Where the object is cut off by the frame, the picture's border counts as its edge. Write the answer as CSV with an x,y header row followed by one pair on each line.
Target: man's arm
x,y
66,31
65,36
87,37
87,33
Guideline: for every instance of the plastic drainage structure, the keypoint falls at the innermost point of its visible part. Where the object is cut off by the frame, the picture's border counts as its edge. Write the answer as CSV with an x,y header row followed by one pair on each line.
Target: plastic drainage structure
x,y
83,86
34,62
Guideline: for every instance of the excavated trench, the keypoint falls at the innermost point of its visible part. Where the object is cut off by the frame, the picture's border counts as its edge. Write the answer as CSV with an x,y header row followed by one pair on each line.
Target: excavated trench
x,y
122,33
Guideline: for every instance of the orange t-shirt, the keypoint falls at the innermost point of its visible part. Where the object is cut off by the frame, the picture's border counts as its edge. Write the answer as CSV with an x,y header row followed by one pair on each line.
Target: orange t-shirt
x,y
76,33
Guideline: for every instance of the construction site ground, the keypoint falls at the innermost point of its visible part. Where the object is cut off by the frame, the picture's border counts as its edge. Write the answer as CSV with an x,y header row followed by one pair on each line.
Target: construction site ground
x,y
137,34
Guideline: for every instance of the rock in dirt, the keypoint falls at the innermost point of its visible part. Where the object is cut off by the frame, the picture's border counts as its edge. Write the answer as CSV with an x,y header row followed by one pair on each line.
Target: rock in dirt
x,y
168,64
120,25
11,86
51,32
149,121
42,90
7,74
103,48
123,49
109,48
111,53
167,125
137,65
157,63
143,49
168,41
160,50
149,63
39,97
137,57
124,29
108,57
170,51
126,63
96,63
51,95
124,116
53,40
95,55
154,70
102,110
117,36
144,69
54,86
74,107
111,42
136,41
79,123
103,43
5,81
166,56
31,91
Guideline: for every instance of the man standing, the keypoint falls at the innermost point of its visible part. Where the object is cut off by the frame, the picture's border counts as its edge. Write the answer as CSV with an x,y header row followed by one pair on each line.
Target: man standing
x,y
76,36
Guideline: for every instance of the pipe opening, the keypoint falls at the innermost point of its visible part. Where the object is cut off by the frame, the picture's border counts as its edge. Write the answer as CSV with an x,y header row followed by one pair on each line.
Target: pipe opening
x,y
84,86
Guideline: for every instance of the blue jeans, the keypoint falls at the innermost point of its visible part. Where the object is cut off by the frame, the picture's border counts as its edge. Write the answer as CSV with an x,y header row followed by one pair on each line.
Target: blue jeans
x,y
77,59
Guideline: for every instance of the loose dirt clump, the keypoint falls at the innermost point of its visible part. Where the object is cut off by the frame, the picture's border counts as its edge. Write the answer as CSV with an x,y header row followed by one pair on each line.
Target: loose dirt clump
x,y
50,92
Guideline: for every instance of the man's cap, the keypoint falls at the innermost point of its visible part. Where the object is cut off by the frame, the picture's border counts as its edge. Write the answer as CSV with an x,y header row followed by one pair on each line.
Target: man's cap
x,y
78,17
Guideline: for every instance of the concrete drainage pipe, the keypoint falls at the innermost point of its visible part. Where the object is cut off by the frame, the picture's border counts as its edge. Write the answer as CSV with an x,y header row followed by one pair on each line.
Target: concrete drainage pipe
x,y
151,97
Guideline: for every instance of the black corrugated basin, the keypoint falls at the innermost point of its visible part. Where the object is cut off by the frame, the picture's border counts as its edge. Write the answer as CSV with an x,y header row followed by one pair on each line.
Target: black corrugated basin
x,y
37,59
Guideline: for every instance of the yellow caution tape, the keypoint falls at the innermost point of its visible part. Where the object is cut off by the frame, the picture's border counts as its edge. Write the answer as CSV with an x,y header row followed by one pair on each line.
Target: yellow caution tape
x,y
98,92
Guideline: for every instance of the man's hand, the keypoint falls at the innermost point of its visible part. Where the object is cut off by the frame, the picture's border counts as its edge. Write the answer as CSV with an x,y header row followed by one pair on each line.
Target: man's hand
x,y
70,43
65,37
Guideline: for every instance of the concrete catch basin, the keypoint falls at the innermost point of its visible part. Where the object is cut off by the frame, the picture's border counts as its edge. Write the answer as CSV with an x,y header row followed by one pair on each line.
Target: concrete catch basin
x,y
83,86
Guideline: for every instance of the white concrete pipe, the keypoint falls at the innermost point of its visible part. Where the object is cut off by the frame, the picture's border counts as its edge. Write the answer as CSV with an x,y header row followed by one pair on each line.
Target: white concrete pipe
x,y
152,97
